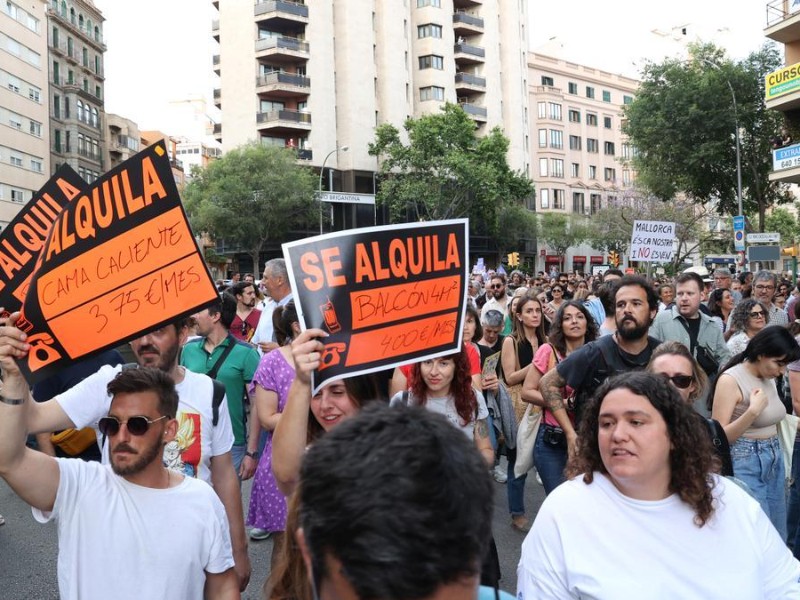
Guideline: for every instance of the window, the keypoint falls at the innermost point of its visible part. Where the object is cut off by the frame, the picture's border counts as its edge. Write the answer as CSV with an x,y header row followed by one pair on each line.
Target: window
x,y
556,139
607,122
606,96
34,94
574,116
429,30
434,3
572,87
610,174
57,141
544,198
13,84
57,106
431,61
578,203
575,171
558,199
56,79
542,107
543,138
608,148
592,145
85,57
431,92
592,172
591,119
36,128
36,165
596,202
557,167
543,167
589,92
554,110
626,177
13,122
17,196
628,151
547,80
627,99
574,142
15,161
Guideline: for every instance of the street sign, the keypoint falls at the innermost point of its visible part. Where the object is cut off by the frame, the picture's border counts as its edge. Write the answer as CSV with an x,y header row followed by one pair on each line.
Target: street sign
x,y
738,233
763,238
763,253
346,197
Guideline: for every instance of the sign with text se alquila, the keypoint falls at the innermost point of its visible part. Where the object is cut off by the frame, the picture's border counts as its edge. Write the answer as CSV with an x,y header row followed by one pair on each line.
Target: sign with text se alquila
x,y
385,295
23,239
120,260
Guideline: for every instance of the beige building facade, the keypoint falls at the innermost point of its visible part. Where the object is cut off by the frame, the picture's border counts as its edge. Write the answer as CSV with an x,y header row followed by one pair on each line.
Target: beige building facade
x,y
321,75
122,140
579,153
24,135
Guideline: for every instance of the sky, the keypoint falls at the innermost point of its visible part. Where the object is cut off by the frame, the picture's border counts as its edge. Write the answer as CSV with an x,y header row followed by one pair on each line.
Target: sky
x,y
159,52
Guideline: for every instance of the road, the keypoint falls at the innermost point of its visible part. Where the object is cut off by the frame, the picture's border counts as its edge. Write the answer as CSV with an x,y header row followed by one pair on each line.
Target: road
x,y
28,550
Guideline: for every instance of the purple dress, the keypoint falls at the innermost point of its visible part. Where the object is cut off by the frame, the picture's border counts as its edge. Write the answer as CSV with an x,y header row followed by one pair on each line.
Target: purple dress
x,y
267,504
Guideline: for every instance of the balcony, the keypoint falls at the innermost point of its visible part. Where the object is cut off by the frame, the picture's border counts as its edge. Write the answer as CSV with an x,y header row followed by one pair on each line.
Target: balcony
x,y
215,29
466,24
283,121
783,23
89,155
303,154
86,36
478,113
282,50
281,15
74,87
283,85
218,98
464,4
786,164
467,83
469,54
215,63
782,88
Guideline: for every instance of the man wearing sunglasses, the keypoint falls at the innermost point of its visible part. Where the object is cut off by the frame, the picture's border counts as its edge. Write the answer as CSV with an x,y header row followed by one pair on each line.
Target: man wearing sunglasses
x,y
105,513
200,449
497,299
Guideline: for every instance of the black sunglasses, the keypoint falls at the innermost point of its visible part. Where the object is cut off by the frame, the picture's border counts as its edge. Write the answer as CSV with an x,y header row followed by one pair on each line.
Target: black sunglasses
x,y
136,425
680,381
756,313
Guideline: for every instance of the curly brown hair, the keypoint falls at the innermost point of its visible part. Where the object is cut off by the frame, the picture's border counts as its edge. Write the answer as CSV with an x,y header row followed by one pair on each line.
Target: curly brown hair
x,y
461,388
691,458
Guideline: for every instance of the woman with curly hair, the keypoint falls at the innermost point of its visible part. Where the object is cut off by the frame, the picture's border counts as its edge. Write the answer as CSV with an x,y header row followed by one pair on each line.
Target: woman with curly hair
x,y
643,489
572,327
721,305
745,401
748,318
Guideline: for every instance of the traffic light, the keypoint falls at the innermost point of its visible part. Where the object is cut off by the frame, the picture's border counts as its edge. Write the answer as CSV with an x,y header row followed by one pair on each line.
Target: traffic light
x,y
613,258
513,259
789,251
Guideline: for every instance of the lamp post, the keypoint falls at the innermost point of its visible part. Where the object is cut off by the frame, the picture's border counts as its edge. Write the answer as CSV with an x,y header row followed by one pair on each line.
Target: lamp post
x,y
321,172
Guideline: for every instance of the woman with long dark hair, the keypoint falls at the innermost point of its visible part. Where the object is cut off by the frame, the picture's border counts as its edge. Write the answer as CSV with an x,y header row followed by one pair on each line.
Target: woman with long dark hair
x,y
721,305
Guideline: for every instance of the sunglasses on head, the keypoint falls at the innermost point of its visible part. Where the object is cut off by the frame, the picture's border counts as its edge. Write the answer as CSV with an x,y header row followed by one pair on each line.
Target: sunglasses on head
x,y
679,381
109,426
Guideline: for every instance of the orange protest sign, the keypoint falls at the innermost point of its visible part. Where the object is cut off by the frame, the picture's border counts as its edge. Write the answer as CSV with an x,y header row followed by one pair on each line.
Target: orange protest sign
x,y
120,260
385,295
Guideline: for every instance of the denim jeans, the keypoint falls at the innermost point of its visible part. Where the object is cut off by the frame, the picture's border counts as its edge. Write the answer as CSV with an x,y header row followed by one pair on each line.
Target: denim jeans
x,y
759,464
793,504
515,486
237,454
550,462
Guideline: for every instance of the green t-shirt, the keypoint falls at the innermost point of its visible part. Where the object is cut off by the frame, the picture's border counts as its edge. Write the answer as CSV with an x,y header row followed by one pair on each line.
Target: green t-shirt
x,y
235,373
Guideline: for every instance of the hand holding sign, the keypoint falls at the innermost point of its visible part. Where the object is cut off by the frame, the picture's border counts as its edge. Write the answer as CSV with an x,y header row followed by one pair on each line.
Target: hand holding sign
x,y
306,351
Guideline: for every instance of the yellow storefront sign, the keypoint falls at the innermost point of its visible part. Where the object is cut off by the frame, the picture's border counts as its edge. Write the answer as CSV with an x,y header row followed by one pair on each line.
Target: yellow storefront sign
x,y
782,81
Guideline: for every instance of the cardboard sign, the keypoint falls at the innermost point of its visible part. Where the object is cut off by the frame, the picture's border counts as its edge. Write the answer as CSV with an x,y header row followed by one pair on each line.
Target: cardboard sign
x,y
652,241
23,239
385,295
120,260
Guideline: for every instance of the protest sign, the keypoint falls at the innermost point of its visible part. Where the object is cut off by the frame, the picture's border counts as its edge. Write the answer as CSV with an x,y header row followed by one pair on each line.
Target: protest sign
x,y
652,241
120,260
23,238
385,295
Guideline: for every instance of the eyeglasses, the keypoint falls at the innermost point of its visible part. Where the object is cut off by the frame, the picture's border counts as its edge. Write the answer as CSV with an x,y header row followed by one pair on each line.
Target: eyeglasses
x,y
765,287
559,290
757,314
679,381
136,425
496,286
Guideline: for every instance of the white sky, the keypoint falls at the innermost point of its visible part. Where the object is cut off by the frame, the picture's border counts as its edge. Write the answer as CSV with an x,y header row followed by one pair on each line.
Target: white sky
x,y
159,52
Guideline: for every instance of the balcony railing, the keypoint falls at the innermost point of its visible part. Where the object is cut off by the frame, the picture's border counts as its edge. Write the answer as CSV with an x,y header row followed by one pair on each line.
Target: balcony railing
x,y
284,115
293,8
285,78
215,59
474,110
217,128
776,12
89,155
470,79
304,154
286,43
467,19
468,49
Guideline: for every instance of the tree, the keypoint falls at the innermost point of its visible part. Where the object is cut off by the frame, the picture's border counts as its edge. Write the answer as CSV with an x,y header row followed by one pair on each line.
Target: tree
x,y
782,221
683,124
251,195
562,232
446,171
518,225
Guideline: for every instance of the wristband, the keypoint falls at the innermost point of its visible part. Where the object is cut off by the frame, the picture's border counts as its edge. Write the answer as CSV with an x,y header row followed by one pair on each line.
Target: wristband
x,y
253,455
12,401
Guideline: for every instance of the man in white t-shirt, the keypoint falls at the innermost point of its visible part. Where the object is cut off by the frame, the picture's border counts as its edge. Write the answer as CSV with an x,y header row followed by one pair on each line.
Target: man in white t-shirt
x,y
200,448
131,529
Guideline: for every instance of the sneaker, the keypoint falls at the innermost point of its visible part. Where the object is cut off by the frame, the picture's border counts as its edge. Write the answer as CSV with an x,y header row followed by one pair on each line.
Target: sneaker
x,y
2,520
500,475
259,534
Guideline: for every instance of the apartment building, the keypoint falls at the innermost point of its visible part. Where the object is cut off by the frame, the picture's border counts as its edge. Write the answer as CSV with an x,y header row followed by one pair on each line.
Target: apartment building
x,y
24,136
321,75
578,150
75,38
193,153
122,140
148,138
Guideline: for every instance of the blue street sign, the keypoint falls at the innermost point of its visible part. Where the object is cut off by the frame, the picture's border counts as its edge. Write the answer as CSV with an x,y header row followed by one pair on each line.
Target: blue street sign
x,y
738,233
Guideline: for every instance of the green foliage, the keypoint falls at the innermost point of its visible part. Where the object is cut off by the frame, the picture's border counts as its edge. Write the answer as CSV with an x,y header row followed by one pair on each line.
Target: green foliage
x,y
446,171
517,224
683,124
252,194
561,231
782,221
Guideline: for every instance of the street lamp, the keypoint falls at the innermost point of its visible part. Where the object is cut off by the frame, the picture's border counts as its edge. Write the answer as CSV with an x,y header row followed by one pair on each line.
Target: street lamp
x,y
321,172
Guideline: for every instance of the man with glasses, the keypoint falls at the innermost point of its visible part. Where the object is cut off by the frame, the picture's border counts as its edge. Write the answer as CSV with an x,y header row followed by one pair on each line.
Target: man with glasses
x,y
764,286
496,295
131,529
723,280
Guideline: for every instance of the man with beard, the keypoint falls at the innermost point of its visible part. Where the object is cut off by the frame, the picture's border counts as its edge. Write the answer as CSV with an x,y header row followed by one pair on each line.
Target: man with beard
x,y
629,349
105,514
247,315
497,299
201,448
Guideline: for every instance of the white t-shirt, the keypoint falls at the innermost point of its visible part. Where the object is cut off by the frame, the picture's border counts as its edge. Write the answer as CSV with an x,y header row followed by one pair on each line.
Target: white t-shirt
x,y
197,440
265,332
446,406
120,540
592,542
